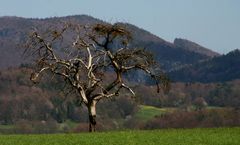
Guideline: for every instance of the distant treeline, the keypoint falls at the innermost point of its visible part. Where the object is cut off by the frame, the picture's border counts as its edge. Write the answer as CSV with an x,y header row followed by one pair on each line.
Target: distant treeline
x,y
40,108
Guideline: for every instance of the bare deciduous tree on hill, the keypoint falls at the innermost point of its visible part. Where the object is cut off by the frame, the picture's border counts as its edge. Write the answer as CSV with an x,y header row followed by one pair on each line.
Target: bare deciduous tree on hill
x,y
92,60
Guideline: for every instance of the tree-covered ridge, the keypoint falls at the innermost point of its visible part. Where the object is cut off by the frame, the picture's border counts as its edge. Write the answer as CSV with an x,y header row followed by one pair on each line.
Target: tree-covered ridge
x,y
14,30
217,69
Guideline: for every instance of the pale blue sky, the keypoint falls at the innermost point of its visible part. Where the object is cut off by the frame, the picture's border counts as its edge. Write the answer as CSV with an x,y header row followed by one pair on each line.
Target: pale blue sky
x,y
212,23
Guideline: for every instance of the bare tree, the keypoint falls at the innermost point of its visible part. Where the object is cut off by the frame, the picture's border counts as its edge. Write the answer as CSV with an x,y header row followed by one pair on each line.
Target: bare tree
x,y
92,60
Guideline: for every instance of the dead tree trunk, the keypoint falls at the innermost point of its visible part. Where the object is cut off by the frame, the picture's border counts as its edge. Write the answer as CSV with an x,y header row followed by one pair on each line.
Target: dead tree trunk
x,y
92,115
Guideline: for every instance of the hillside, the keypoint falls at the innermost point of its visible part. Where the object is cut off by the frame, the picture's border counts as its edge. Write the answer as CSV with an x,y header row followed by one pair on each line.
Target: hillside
x,y
14,32
194,47
169,55
217,69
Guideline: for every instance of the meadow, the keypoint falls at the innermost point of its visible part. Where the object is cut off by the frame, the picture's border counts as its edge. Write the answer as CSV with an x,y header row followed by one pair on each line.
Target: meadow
x,y
146,112
197,136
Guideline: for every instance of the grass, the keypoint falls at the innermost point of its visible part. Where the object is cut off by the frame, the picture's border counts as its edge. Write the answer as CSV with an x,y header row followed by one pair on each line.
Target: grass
x,y
69,124
146,113
7,126
214,136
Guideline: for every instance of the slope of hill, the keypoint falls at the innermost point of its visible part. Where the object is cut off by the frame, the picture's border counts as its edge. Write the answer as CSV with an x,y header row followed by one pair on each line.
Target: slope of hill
x,y
14,31
217,69
194,47
169,55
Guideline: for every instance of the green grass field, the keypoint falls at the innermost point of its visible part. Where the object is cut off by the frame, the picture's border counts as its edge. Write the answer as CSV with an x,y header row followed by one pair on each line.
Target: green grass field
x,y
146,113
214,136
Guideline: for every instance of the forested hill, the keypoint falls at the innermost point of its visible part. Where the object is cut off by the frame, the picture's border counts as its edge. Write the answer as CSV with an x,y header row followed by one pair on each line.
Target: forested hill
x,y
217,69
184,59
194,47
14,31
170,55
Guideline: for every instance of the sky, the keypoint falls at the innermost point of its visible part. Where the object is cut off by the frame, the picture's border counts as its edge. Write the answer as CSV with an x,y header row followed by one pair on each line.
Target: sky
x,y
214,24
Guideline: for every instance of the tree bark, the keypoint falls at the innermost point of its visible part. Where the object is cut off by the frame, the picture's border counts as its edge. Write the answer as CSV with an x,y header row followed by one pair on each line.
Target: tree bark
x,y
92,115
